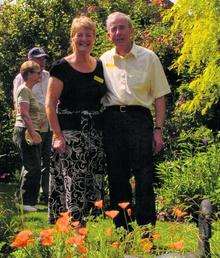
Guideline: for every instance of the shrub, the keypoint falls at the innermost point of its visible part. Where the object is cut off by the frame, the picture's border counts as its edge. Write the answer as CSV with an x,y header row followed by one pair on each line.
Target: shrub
x,y
186,142
192,178
47,23
197,22
9,158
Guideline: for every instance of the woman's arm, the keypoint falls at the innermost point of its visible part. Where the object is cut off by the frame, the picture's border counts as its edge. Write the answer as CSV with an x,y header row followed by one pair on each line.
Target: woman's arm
x,y
23,109
55,87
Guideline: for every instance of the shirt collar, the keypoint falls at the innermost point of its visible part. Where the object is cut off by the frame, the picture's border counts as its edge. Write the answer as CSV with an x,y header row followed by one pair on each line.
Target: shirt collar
x,y
133,52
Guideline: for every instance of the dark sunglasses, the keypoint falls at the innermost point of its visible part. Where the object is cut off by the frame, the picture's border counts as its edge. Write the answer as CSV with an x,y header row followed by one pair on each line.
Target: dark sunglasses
x,y
38,72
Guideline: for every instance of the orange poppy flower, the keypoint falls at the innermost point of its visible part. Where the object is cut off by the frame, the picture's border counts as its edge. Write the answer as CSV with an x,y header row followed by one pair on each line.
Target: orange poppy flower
x,y
123,205
82,249
147,245
46,237
115,245
75,223
62,224
111,214
177,245
158,2
83,231
108,232
23,239
65,214
177,212
155,235
75,240
99,204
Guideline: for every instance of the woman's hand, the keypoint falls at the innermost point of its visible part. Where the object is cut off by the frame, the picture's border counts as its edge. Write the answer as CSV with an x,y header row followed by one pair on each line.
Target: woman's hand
x,y
55,87
36,138
33,137
59,143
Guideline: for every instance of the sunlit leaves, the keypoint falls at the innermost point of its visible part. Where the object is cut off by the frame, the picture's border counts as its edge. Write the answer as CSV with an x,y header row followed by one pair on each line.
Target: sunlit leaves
x,y
198,23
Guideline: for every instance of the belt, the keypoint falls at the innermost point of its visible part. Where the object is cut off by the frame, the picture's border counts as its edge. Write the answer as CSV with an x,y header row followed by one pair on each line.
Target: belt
x,y
128,108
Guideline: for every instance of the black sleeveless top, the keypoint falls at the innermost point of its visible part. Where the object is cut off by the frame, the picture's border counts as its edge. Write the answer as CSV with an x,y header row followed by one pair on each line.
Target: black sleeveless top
x,y
81,91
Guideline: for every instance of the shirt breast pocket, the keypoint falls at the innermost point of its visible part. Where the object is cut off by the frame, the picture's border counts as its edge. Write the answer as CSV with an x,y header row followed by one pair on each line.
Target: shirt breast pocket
x,y
136,78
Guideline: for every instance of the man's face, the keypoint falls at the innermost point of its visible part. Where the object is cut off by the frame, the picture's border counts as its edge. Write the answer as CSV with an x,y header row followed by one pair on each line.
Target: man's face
x,y
41,61
119,32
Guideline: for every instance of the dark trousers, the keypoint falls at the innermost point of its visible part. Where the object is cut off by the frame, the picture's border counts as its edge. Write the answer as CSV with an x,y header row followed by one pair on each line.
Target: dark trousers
x,y
45,162
31,167
128,146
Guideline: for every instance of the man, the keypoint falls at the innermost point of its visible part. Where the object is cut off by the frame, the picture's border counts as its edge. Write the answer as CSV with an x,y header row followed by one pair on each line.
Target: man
x,y
136,80
38,55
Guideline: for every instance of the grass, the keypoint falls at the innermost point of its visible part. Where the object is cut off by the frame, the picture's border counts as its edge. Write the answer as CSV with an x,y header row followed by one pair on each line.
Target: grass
x,y
13,220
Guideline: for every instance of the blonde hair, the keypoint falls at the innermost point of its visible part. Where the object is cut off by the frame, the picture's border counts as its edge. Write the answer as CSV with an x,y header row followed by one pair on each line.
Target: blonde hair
x,y
118,14
28,67
79,23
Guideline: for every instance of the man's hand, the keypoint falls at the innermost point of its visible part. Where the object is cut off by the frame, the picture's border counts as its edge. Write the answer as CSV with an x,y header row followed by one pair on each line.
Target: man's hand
x,y
158,143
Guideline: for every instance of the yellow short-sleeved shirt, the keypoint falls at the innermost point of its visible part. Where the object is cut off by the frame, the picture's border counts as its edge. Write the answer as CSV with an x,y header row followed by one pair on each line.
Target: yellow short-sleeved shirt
x,y
135,79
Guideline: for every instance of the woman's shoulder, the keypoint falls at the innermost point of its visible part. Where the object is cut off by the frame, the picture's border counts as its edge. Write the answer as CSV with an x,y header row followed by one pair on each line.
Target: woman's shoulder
x,y
59,63
23,92
99,65
23,89
59,68
99,61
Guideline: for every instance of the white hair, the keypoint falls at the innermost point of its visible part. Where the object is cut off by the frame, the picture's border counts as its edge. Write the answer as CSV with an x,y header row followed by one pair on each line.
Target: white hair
x,y
118,14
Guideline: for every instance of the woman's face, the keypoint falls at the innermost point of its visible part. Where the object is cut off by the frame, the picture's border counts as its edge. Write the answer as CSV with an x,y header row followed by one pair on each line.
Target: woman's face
x,y
83,40
34,76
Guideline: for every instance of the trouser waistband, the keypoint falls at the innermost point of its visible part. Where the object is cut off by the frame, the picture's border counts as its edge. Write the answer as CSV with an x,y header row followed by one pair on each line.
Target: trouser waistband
x,y
128,108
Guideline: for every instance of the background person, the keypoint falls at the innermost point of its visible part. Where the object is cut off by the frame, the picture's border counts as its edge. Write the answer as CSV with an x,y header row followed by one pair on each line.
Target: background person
x,y
77,81
28,119
39,90
135,80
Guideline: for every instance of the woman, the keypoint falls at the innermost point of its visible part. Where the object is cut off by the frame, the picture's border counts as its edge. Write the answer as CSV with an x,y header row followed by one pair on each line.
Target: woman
x,y
26,136
75,89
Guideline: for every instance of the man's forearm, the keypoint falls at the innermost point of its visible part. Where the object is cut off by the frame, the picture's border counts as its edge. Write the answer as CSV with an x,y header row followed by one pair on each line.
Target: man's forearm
x,y
160,112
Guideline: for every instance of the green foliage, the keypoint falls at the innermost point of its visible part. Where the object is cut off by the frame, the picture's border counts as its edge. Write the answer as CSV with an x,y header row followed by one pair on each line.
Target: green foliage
x,y
10,223
198,23
6,122
101,232
44,23
29,23
186,140
9,158
195,177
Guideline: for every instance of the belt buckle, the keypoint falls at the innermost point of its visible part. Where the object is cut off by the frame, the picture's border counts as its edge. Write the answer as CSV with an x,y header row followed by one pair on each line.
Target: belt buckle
x,y
122,109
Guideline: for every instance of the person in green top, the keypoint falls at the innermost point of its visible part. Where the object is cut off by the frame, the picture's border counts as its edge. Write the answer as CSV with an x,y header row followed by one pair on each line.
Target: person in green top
x,y
26,134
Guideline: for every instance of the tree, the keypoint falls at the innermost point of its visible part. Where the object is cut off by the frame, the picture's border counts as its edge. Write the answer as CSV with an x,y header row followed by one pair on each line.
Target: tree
x,y
47,23
198,24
